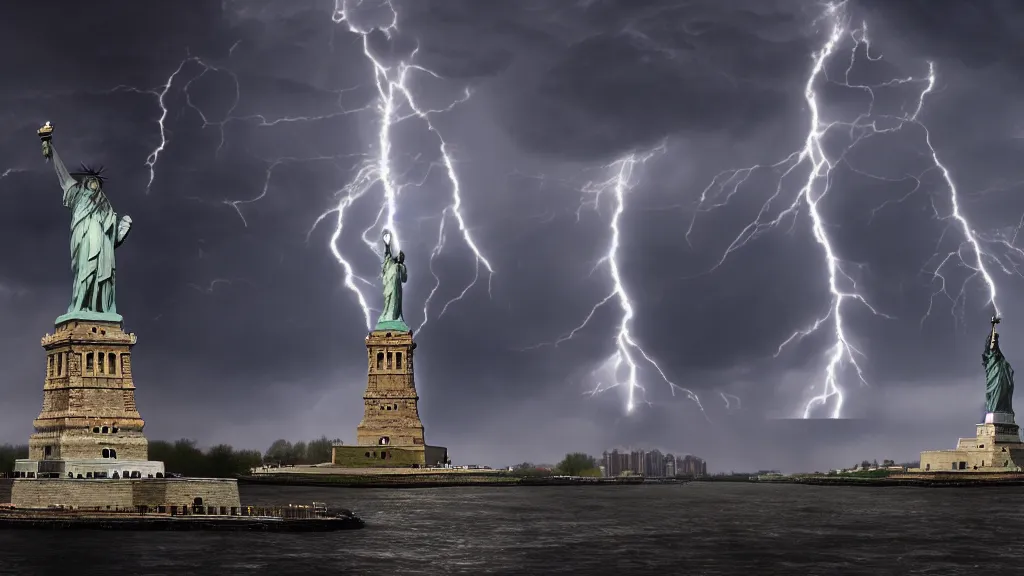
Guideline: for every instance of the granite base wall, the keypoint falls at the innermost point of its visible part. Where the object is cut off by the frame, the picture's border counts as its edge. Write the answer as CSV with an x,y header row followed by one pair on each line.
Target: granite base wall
x,y
378,456
5,490
995,459
43,493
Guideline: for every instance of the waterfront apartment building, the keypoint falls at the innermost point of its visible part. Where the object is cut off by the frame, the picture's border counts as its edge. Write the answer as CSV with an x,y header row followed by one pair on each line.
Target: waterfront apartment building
x,y
692,466
652,464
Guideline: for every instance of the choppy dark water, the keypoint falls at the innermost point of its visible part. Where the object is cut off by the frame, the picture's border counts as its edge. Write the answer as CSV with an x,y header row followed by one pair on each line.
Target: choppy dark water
x,y
695,529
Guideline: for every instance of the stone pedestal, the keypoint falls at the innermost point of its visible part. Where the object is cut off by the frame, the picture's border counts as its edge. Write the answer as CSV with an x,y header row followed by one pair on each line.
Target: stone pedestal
x,y
88,448
89,425
391,432
391,413
996,447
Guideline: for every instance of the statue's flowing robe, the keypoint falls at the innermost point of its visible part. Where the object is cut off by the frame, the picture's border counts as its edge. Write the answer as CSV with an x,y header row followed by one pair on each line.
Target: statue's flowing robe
x,y
998,381
394,274
93,238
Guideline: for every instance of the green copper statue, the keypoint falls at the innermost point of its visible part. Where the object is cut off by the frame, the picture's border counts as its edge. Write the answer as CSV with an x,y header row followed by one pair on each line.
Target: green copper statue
x,y
393,274
95,233
998,375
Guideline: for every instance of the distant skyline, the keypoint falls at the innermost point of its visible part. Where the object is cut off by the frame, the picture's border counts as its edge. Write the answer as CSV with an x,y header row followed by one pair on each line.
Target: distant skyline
x,y
590,145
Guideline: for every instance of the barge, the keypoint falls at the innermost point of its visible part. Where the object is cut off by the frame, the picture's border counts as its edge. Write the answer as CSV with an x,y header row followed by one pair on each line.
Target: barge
x,y
316,518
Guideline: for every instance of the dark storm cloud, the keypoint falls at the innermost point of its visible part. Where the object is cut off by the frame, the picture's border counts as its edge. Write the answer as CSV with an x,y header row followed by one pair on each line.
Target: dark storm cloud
x,y
595,79
246,333
978,34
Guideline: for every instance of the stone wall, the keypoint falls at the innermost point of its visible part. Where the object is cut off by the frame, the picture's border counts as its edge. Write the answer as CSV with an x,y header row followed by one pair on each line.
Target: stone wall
x,y
5,490
370,456
993,459
42,493
84,444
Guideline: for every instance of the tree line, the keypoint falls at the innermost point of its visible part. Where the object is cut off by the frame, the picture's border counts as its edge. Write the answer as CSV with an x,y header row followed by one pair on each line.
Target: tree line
x,y
221,461
574,464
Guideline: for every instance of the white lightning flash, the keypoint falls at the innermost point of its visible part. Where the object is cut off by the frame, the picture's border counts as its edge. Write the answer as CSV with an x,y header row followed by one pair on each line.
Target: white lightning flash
x,y
394,95
628,351
812,155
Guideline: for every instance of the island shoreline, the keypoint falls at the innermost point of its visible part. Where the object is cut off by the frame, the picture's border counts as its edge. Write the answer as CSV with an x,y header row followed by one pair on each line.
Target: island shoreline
x,y
922,480
408,481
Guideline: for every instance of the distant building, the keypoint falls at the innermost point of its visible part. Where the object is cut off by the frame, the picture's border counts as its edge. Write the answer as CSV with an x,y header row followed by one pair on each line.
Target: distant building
x,y
652,464
615,463
690,465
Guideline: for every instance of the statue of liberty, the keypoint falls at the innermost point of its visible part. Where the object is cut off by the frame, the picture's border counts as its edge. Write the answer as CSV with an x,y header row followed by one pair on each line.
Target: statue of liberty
x,y
95,234
393,274
998,375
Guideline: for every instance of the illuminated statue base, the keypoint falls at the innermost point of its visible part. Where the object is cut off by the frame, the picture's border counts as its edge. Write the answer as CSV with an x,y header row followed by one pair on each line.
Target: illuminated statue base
x,y
997,447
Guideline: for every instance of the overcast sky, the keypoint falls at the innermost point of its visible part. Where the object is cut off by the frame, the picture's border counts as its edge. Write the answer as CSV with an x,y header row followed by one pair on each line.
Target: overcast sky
x,y
248,333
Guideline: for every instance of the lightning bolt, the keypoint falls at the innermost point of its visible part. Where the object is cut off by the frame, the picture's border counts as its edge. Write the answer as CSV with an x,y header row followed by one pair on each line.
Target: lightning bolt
x,y
393,97
732,401
628,352
821,169
160,93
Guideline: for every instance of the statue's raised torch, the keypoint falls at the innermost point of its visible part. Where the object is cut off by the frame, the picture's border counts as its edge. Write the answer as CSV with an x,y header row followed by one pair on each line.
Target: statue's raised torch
x,y
46,134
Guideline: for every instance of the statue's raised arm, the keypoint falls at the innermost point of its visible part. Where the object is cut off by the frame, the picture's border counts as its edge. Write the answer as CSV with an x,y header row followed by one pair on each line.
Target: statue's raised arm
x,y
65,178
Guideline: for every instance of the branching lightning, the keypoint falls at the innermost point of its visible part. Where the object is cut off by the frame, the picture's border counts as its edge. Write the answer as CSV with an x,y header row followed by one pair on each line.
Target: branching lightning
x,y
628,352
821,167
395,103
393,97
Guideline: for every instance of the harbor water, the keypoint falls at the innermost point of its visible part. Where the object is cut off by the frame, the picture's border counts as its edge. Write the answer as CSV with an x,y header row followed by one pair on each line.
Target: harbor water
x,y
695,529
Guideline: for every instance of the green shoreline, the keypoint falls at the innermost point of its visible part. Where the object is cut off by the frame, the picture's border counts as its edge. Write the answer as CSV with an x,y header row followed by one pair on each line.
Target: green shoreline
x,y
440,480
